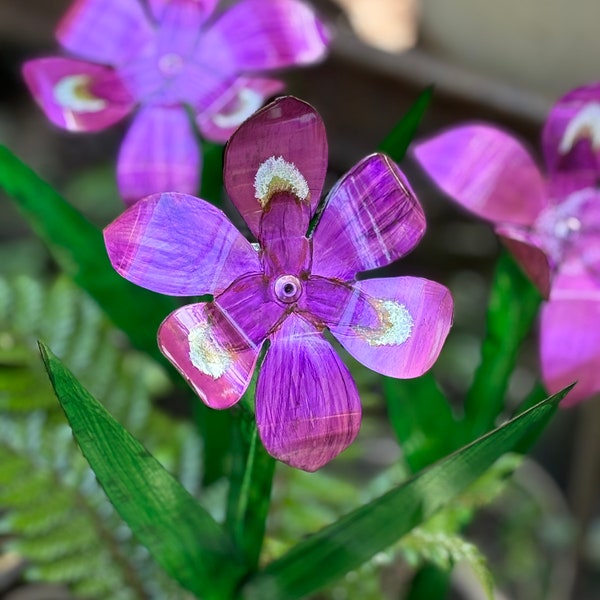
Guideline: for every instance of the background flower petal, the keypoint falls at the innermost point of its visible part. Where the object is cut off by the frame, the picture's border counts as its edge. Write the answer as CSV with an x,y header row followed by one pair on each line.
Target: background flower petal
x,y
571,134
531,255
307,405
570,347
486,171
105,31
213,356
254,35
286,128
77,95
159,153
371,218
179,245
244,97
415,316
199,10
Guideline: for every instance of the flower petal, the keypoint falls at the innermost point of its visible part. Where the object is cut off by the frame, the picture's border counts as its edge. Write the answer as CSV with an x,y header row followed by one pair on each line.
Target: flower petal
x,y
307,405
415,316
76,95
210,352
240,101
199,10
249,304
571,135
487,172
570,347
286,141
255,35
105,31
158,153
371,218
530,253
179,245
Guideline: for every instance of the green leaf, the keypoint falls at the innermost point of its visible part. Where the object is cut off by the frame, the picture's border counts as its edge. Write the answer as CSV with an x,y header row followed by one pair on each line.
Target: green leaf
x,y
250,488
421,417
78,247
398,140
512,310
212,172
181,536
356,537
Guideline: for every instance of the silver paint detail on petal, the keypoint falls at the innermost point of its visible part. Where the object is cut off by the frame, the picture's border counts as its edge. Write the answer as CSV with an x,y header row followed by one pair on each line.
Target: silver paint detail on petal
x,y
73,92
278,175
585,124
397,324
206,353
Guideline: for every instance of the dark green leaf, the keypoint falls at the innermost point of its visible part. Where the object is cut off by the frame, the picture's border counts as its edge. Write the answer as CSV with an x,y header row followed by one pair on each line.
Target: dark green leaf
x,y
250,488
422,419
181,536
398,140
78,247
352,540
212,172
512,310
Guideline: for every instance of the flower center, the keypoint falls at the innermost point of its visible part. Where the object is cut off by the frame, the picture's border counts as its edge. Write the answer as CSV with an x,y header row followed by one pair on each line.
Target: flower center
x,y
170,64
287,288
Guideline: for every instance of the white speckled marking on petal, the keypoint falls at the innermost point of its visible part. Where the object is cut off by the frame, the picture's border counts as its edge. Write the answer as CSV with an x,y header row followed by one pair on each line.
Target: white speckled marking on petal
x,y
248,101
206,353
73,92
585,124
278,175
396,325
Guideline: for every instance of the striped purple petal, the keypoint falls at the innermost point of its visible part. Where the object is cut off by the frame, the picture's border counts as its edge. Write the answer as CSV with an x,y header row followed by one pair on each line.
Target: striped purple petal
x,y
307,405
105,31
179,245
259,35
371,218
414,317
210,352
198,10
159,152
283,147
571,135
77,95
245,96
486,171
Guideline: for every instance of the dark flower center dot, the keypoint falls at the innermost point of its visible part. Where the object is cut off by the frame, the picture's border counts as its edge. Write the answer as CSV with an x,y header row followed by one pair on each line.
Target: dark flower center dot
x,y
287,288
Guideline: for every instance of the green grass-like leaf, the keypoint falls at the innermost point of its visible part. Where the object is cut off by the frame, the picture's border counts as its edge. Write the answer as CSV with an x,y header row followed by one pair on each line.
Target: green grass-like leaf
x,y
358,536
181,535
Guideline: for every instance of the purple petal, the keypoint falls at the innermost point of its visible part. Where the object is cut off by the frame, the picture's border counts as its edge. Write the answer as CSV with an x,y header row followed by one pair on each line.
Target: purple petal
x,y
240,101
200,10
76,95
570,347
571,135
249,304
415,316
179,245
530,253
371,218
282,236
210,352
158,153
307,405
282,147
255,35
105,31
487,172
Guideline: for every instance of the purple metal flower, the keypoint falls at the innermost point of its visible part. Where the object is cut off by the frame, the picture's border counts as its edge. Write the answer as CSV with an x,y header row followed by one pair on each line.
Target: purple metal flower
x,y
292,286
551,225
168,56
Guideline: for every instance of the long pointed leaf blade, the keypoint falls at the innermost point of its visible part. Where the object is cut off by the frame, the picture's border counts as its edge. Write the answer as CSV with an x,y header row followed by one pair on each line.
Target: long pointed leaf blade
x,y
181,535
358,536
78,247
398,140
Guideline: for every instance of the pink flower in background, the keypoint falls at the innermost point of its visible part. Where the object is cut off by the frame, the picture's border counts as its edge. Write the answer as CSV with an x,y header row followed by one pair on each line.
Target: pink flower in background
x,y
290,287
168,57
550,224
